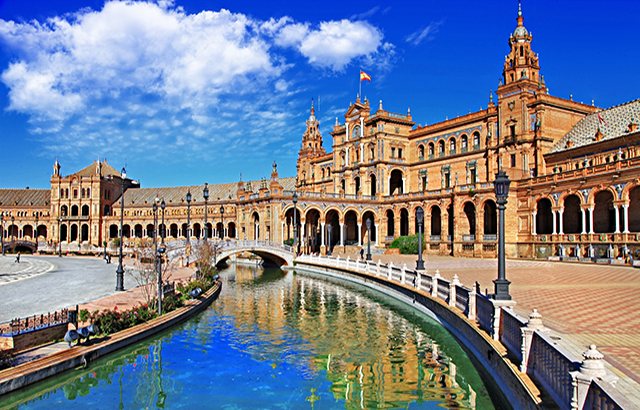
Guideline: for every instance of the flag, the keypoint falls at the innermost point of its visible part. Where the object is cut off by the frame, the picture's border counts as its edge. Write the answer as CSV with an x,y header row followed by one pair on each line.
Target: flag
x,y
364,76
600,120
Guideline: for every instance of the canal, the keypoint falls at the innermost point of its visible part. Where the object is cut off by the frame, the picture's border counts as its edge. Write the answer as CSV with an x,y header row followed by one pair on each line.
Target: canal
x,y
277,340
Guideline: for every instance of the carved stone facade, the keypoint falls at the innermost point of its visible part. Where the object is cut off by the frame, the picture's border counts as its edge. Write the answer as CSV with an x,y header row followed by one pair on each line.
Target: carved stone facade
x,y
574,193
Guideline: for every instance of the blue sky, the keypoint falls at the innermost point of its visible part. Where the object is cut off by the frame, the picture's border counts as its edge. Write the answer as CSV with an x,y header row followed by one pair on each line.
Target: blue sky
x,y
189,91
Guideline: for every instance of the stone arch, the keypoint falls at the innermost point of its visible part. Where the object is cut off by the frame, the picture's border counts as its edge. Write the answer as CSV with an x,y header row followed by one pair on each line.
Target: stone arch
x,y
74,210
84,235
404,222
64,235
368,214
85,210
431,150
453,144
137,230
464,143
468,225
572,216
604,220
255,225
41,230
64,210
173,230
476,140
351,227
395,182
436,220
332,219
197,230
231,230
421,151
490,217
544,216
373,181
441,147
390,223
634,209
312,234
357,186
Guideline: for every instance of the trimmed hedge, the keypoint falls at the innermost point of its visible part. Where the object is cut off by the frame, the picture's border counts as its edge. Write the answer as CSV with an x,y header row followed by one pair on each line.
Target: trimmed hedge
x,y
408,245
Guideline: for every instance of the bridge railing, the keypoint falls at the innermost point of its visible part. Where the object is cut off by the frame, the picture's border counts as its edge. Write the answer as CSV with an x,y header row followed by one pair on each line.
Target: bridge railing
x,y
572,384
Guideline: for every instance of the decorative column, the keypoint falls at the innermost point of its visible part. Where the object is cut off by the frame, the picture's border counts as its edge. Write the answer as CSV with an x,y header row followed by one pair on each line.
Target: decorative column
x,y
534,323
377,235
584,221
560,221
282,232
555,223
359,233
533,222
592,368
626,218
322,243
591,221
617,212
341,233
303,234
404,189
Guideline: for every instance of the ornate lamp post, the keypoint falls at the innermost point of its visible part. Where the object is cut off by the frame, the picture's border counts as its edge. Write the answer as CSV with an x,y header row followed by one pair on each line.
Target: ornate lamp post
x,y
164,228
205,194
329,244
295,223
35,233
188,215
159,254
120,271
420,216
501,185
368,239
2,237
59,238
222,219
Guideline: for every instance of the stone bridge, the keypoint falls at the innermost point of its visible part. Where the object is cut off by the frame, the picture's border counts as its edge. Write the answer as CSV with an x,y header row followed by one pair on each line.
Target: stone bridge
x,y
20,246
275,252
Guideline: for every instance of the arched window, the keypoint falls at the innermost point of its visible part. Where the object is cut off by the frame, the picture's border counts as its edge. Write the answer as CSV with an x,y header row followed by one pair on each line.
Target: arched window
x,y
452,146
463,143
476,140
441,147
431,149
421,151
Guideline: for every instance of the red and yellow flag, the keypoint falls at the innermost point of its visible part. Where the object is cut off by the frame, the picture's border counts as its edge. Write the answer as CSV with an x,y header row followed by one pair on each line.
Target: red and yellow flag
x,y
364,76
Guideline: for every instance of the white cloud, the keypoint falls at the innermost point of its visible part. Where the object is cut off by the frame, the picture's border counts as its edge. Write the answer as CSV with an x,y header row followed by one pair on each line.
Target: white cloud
x,y
427,33
137,75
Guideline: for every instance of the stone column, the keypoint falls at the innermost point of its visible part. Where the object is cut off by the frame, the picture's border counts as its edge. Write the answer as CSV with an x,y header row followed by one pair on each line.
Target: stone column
x,y
322,242
359,233
282,232
533,222
560,221
341,234
584,221
626,218
404,189
555,229
617,212
377,234
534,323
591,220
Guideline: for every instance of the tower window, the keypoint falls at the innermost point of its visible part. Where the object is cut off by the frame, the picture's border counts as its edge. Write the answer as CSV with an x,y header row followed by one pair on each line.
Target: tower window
x,y
513,132
513,160
399,152
521,51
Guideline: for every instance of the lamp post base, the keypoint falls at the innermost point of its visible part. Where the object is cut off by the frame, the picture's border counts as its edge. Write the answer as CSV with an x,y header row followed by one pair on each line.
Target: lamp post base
x,y
420,264
501,288
120,279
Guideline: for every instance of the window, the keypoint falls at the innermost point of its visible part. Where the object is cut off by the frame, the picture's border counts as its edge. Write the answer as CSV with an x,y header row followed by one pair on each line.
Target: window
x,y
476,140
447,179
373,156
452,146
424,183
463,143
472,176
513,160
399,152
513,132
75,193
393,152
441,147
421,151
431,149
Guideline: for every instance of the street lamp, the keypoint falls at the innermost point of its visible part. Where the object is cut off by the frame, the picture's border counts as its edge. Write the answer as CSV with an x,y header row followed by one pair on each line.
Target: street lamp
x,y
188,214
329,247
162,233
501,186
295,223
35,233
205,194
222,219
2,237
159,254
120,271
59,239
369,239
420,216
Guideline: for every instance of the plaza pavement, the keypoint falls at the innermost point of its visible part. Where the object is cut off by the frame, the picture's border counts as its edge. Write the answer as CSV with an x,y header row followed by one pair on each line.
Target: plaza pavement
x,y
581,304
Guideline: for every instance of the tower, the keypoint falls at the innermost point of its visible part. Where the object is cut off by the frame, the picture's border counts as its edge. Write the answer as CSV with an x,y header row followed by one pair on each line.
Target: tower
x,y
311,147
521,65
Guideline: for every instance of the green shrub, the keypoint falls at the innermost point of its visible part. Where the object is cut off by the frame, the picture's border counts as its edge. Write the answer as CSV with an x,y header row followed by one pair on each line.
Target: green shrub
x,y
83,315
288,242
408,245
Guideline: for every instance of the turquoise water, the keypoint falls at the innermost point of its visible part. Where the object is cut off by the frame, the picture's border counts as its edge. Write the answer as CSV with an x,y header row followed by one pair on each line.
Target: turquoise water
x,y
276,340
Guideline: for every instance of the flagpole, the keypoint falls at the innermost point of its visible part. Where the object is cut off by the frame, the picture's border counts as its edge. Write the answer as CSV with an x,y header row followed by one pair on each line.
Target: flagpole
x,y
360,81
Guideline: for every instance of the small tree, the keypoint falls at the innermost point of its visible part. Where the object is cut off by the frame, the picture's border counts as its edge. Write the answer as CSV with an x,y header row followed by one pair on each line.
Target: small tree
x,y
145,272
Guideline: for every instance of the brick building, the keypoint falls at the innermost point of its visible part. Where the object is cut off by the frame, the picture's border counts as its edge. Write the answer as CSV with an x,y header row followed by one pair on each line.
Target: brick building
x,y
573,168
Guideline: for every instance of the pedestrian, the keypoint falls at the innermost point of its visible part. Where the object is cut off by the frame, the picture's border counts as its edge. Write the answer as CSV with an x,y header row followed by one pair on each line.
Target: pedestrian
x,y
18,258
362,254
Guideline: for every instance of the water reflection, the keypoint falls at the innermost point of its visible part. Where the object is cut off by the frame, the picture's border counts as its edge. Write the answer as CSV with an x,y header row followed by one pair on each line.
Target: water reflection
x,y
280,340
